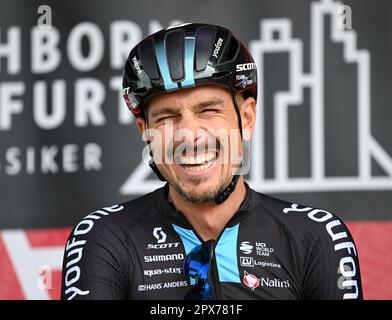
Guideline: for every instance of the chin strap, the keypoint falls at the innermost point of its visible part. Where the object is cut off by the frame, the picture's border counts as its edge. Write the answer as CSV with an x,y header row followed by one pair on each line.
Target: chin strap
x,y
151,162
154,167
222,196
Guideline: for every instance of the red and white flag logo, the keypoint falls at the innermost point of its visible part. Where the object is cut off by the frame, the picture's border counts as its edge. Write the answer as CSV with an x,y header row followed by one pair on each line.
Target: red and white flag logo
x,y
251,280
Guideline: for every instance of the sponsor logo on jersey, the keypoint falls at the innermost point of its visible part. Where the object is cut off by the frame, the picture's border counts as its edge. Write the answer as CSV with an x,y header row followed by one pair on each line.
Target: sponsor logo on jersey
x,y
159,235
163,245
164,257
251,280
263,250
156,272
74,251
251,262
164,285
148,287
341,241
247,262
246,247
275,283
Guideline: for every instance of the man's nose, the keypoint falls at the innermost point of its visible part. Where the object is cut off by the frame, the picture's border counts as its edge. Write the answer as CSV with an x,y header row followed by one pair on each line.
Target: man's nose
x,y
191,127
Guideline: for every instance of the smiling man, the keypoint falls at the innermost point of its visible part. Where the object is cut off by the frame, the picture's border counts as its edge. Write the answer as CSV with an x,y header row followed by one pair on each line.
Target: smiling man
x,y
206,234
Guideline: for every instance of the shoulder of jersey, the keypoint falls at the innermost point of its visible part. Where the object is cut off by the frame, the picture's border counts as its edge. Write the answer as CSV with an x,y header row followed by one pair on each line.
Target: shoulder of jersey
x,y
122,214
296,217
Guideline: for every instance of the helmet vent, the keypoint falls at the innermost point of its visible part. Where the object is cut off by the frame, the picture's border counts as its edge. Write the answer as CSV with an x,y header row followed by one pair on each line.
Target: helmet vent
x,y
147,55
174,43
232,50
204,42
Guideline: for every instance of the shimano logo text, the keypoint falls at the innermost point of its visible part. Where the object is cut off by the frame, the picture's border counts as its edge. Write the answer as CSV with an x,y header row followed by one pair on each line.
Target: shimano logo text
x,y
164,257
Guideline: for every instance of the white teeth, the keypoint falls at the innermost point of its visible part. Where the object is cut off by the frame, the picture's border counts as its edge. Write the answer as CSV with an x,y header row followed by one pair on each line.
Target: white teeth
x,y
199,159
198,168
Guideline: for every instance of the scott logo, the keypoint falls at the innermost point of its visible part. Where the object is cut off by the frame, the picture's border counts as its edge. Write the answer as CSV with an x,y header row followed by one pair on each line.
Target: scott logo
x,y
245,66
159,234
246,247
163,245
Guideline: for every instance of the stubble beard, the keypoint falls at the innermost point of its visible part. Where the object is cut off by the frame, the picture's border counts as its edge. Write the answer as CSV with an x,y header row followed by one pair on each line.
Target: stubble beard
x,y
195,197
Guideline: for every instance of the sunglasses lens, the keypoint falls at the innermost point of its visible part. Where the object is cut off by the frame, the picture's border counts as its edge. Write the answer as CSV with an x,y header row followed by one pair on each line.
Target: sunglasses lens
x,y
197,265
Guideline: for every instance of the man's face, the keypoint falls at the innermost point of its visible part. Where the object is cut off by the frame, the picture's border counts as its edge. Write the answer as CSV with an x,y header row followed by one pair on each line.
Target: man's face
x,y
199,146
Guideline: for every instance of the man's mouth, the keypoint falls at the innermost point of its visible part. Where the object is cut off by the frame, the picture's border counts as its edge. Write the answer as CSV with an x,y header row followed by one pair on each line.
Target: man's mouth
x,y
197,162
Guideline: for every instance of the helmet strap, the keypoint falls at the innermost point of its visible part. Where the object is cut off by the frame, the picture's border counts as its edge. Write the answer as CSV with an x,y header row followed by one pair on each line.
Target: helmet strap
x,y
151,162
222,197
154,167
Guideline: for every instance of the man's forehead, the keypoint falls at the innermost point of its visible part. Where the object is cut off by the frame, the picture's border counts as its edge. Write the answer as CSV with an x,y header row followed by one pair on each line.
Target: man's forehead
x,y
189,98
207,102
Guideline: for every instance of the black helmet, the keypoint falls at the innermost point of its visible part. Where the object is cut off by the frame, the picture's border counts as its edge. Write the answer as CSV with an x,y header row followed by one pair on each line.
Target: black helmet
x,y
187,55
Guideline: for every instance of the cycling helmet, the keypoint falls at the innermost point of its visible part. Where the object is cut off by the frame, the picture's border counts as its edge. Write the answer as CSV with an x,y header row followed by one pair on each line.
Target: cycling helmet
x,y
185,56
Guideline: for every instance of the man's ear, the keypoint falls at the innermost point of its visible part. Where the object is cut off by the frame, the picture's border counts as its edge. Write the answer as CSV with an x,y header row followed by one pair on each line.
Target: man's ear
x,y
141,124
248,117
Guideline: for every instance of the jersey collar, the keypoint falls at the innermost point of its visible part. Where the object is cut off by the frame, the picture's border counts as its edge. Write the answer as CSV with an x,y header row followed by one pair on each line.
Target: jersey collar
x,y
172,215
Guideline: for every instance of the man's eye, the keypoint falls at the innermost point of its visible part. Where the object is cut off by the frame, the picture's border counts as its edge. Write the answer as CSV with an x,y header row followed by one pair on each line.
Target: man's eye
x,y
209,110
165,118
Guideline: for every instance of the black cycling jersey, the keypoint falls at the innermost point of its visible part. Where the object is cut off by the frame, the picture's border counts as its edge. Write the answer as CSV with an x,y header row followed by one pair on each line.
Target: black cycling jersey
x,y
270,249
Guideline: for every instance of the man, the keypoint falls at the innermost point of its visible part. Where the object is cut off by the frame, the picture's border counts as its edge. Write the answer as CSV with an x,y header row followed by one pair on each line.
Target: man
x,y
206,234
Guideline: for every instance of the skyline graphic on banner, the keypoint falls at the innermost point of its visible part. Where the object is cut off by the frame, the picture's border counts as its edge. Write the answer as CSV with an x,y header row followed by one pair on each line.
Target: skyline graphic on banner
x,y
276,37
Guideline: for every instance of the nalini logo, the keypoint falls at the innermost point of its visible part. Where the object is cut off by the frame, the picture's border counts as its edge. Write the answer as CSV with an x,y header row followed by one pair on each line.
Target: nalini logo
x,y
159,234
246,247
251,280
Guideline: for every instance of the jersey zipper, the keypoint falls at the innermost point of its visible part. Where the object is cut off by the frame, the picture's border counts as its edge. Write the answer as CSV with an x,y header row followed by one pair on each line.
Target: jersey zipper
x,y
213,272
213,277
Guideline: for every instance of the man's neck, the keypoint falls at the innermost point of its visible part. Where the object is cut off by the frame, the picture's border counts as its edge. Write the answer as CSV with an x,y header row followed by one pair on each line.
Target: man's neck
x,y
208,219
